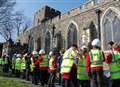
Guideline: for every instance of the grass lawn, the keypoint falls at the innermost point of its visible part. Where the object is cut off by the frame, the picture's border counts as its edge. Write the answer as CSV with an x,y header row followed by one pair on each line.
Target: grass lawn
x,y
8,81
12,82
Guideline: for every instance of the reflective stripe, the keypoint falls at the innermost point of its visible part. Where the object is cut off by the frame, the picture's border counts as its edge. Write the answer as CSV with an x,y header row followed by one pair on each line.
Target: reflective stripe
x,y
97,62
65,69
114,72
80,65
69,58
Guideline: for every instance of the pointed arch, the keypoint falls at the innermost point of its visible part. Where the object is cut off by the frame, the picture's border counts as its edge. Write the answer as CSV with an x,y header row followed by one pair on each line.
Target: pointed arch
x,y
59,40
93,31
31,44
47,41
38,43
110,26
72,34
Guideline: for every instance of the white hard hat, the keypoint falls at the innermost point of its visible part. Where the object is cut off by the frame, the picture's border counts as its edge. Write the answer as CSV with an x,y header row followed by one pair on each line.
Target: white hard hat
x,y
15,54
19,55
96,42
41,51
84,47
34,53
25,55
50,53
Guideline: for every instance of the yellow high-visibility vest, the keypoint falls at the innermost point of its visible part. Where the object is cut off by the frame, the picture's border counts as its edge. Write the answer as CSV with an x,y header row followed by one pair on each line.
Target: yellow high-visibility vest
x,y
45,62
81,70
23,64
18,64
115,65
96,58
68,61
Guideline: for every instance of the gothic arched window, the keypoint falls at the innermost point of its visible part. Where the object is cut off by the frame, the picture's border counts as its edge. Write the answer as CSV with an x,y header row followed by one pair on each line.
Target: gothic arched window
x,y
110,27
31,44
47,42
72,35
38,43
59,40
116,29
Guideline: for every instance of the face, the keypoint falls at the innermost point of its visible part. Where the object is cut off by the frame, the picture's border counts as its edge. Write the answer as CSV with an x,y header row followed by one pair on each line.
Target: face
x,y
74,48
110,46
34,55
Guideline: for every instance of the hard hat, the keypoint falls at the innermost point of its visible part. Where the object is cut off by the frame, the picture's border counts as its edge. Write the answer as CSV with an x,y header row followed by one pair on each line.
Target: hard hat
x,y
34,53
50,53
83,47
25,55
7,55
41,51
96,42
15,54
19,55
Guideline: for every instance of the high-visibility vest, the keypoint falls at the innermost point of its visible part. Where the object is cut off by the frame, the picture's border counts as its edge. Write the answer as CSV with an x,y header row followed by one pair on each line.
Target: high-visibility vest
x,y
81,70
115,65
23,64
32,65
45,62
96,58
52,64
3,62
67,63
0,61
18,64
13,62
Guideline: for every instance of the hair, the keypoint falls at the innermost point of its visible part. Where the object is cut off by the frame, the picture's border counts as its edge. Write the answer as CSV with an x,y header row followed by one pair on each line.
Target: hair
x,y
97,47
111,43
74,45
62,50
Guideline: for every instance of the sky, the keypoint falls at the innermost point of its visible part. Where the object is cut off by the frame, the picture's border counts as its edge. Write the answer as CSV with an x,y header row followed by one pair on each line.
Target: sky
x,y
29,7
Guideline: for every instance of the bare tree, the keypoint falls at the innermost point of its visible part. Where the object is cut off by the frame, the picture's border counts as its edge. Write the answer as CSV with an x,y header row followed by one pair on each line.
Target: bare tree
x,y
26,26
6,31
18,20
5,6
21,23
11,23
6,27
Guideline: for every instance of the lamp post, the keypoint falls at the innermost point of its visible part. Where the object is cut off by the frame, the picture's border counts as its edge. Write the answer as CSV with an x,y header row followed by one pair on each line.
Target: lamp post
x,y
98,12
18,46
53,36
29,44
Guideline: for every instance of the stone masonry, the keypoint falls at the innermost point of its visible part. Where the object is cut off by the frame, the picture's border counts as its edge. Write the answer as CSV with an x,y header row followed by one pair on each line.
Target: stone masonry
x,y
80,26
